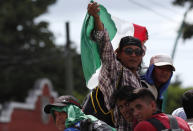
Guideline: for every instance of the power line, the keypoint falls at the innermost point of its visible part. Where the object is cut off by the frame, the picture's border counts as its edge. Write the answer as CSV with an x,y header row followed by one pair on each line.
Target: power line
x,y
162,6
152,11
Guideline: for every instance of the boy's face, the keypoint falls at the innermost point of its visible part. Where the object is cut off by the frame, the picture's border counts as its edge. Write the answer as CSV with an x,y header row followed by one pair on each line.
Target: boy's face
x,y
60,119
123,107
141,109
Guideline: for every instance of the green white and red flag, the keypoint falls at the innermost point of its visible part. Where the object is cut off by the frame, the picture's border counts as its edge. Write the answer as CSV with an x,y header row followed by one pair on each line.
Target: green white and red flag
x,y
116,28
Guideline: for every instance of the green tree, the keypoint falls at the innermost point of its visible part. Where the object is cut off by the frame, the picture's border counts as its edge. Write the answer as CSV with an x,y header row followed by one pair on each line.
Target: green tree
x,y
175,93
187,31
27,50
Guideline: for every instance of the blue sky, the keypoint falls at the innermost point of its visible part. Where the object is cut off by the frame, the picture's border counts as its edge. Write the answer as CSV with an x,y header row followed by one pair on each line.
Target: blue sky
x,y
161,18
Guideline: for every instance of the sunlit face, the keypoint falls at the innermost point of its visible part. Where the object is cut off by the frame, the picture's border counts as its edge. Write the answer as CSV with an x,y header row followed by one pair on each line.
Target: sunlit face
x,y
142,110
129,57
162,74
123,107
60,118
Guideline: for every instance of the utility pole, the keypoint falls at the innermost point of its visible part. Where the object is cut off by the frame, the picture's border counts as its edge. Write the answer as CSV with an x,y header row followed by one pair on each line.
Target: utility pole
x,y
179,33
68,64
173,53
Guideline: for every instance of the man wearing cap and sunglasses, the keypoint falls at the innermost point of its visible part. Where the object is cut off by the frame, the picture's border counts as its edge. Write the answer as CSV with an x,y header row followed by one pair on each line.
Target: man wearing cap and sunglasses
x,y
119,68
158,76
68,116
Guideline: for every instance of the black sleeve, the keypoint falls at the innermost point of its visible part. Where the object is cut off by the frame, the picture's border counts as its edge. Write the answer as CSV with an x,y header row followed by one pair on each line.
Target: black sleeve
x,y
101,126
86,125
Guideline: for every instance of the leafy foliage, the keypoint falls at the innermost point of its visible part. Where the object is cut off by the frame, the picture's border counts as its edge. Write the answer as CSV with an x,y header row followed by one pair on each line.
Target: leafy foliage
x,y
28,52
181,2
187,31
188,27
174,98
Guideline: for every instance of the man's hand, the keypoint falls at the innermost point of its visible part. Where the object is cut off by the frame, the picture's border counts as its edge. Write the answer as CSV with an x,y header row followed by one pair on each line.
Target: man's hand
x,y
93,9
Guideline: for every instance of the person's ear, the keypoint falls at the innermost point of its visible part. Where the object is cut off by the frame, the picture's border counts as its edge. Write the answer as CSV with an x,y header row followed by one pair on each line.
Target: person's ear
x,y
118,52
144,50
153,105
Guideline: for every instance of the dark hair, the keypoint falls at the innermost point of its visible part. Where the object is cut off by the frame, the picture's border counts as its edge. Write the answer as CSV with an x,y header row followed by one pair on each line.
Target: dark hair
x,y
122,93
187,103
129,40
141,93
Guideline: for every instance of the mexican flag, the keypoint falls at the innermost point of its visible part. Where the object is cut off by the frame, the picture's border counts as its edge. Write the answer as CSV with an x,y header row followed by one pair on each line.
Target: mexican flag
x,y
90,57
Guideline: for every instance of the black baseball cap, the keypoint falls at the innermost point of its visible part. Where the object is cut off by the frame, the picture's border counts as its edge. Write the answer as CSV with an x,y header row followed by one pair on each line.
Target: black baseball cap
x,y
61,102
129,40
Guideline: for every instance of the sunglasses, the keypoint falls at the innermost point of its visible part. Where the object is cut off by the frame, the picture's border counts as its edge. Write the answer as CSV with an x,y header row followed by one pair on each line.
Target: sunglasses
x,y
130,51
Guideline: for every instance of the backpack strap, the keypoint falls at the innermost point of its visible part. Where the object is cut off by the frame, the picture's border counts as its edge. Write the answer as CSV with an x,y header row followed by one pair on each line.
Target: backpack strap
x,y
157,124
173,122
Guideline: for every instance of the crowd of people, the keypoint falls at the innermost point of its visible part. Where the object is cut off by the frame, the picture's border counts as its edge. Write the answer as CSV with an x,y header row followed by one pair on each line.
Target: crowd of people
x,y
132,101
